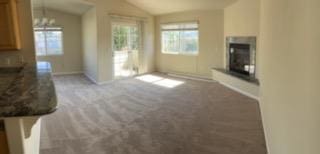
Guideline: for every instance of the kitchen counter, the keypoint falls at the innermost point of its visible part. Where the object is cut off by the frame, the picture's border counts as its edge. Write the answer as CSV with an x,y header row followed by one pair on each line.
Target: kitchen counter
x,y
27,91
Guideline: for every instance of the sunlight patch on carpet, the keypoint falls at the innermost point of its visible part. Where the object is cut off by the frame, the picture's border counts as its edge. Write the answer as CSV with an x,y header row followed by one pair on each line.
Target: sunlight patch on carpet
x,y
160,81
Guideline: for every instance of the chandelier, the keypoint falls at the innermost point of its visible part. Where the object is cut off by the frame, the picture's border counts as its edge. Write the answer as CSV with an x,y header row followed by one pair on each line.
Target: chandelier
x,y
44,21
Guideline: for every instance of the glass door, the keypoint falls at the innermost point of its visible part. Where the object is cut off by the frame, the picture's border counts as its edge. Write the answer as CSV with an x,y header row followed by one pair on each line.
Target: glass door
x,y
125,38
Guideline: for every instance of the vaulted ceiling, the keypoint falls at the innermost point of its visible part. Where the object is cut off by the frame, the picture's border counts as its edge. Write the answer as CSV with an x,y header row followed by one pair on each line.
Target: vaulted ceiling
x,y
158,7
155,7
70,6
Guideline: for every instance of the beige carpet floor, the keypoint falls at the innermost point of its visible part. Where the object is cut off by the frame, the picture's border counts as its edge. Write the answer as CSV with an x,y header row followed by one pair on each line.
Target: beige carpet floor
x,y
151,115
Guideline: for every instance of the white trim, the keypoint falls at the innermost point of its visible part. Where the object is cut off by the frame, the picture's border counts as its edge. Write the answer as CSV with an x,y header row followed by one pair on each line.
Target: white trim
x,y
23,134
180,26
96,82
240,91
180,53
191,77
67,73
127,17
181,22
90,78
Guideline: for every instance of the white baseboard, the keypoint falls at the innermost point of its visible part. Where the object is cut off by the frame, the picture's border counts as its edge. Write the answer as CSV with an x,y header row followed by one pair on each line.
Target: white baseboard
x,y
191,77
96,82
240,91
67,73
90,78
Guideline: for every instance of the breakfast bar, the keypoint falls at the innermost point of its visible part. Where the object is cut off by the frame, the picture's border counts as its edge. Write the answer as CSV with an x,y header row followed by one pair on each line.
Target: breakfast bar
x,y
27,93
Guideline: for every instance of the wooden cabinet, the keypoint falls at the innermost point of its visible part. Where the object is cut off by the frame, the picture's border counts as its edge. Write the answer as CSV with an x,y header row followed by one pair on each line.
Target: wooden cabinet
x,y
9,26
3,139
3,143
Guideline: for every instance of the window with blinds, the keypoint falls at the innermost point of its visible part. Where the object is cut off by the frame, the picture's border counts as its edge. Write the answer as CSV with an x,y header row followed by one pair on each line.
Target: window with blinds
x,y
180,38
48,41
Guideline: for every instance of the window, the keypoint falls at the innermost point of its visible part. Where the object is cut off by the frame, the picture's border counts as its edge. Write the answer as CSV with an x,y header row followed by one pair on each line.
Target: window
x,y
125,37
48,41
180,38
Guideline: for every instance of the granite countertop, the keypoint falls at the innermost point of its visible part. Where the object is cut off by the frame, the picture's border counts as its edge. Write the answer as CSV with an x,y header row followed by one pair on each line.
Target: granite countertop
x,y
27,90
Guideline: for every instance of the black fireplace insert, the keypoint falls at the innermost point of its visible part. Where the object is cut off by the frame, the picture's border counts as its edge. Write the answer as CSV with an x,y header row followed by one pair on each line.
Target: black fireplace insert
x,y
239,58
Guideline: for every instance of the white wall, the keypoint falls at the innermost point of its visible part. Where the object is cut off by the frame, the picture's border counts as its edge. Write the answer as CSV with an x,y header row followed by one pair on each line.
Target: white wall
x,y
71,60
104,41
242,18
290,74
210,44
89,41
27,42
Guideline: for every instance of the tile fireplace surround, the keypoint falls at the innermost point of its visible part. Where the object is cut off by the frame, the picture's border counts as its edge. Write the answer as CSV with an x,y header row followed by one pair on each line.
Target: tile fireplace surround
x,y
241,56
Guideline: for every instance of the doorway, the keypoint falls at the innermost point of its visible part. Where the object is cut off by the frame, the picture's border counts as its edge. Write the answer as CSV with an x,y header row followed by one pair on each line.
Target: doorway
x,y
125,46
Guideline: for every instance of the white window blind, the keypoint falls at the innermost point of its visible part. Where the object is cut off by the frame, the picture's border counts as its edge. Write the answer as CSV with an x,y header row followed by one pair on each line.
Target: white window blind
x,y
180,38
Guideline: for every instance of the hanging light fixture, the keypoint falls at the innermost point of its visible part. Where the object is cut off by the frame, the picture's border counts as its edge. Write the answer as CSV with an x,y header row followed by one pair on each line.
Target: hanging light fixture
x,y
44,21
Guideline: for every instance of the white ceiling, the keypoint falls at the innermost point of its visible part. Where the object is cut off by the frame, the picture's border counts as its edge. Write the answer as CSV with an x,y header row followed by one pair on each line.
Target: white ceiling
x,y
158,7
71,6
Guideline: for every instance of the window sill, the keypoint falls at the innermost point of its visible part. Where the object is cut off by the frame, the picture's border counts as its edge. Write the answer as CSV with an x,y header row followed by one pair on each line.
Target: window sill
x,y
180,54
50,55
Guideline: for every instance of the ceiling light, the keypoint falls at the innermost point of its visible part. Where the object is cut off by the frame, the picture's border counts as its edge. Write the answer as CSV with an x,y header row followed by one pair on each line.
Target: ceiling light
x,y
44,21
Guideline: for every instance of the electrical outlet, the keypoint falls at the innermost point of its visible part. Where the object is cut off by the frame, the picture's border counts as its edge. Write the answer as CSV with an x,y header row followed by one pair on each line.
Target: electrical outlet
x,y
8,61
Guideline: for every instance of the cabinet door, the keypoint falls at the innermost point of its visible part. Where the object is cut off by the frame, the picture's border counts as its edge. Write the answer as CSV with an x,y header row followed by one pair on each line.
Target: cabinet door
x,y
3,139
9,30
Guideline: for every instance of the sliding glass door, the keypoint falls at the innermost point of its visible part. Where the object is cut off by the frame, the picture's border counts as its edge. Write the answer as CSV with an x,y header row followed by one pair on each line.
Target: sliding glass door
x,y
126,42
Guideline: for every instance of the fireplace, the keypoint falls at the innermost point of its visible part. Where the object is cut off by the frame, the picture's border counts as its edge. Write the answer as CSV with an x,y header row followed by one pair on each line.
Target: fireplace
x,y
241,55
